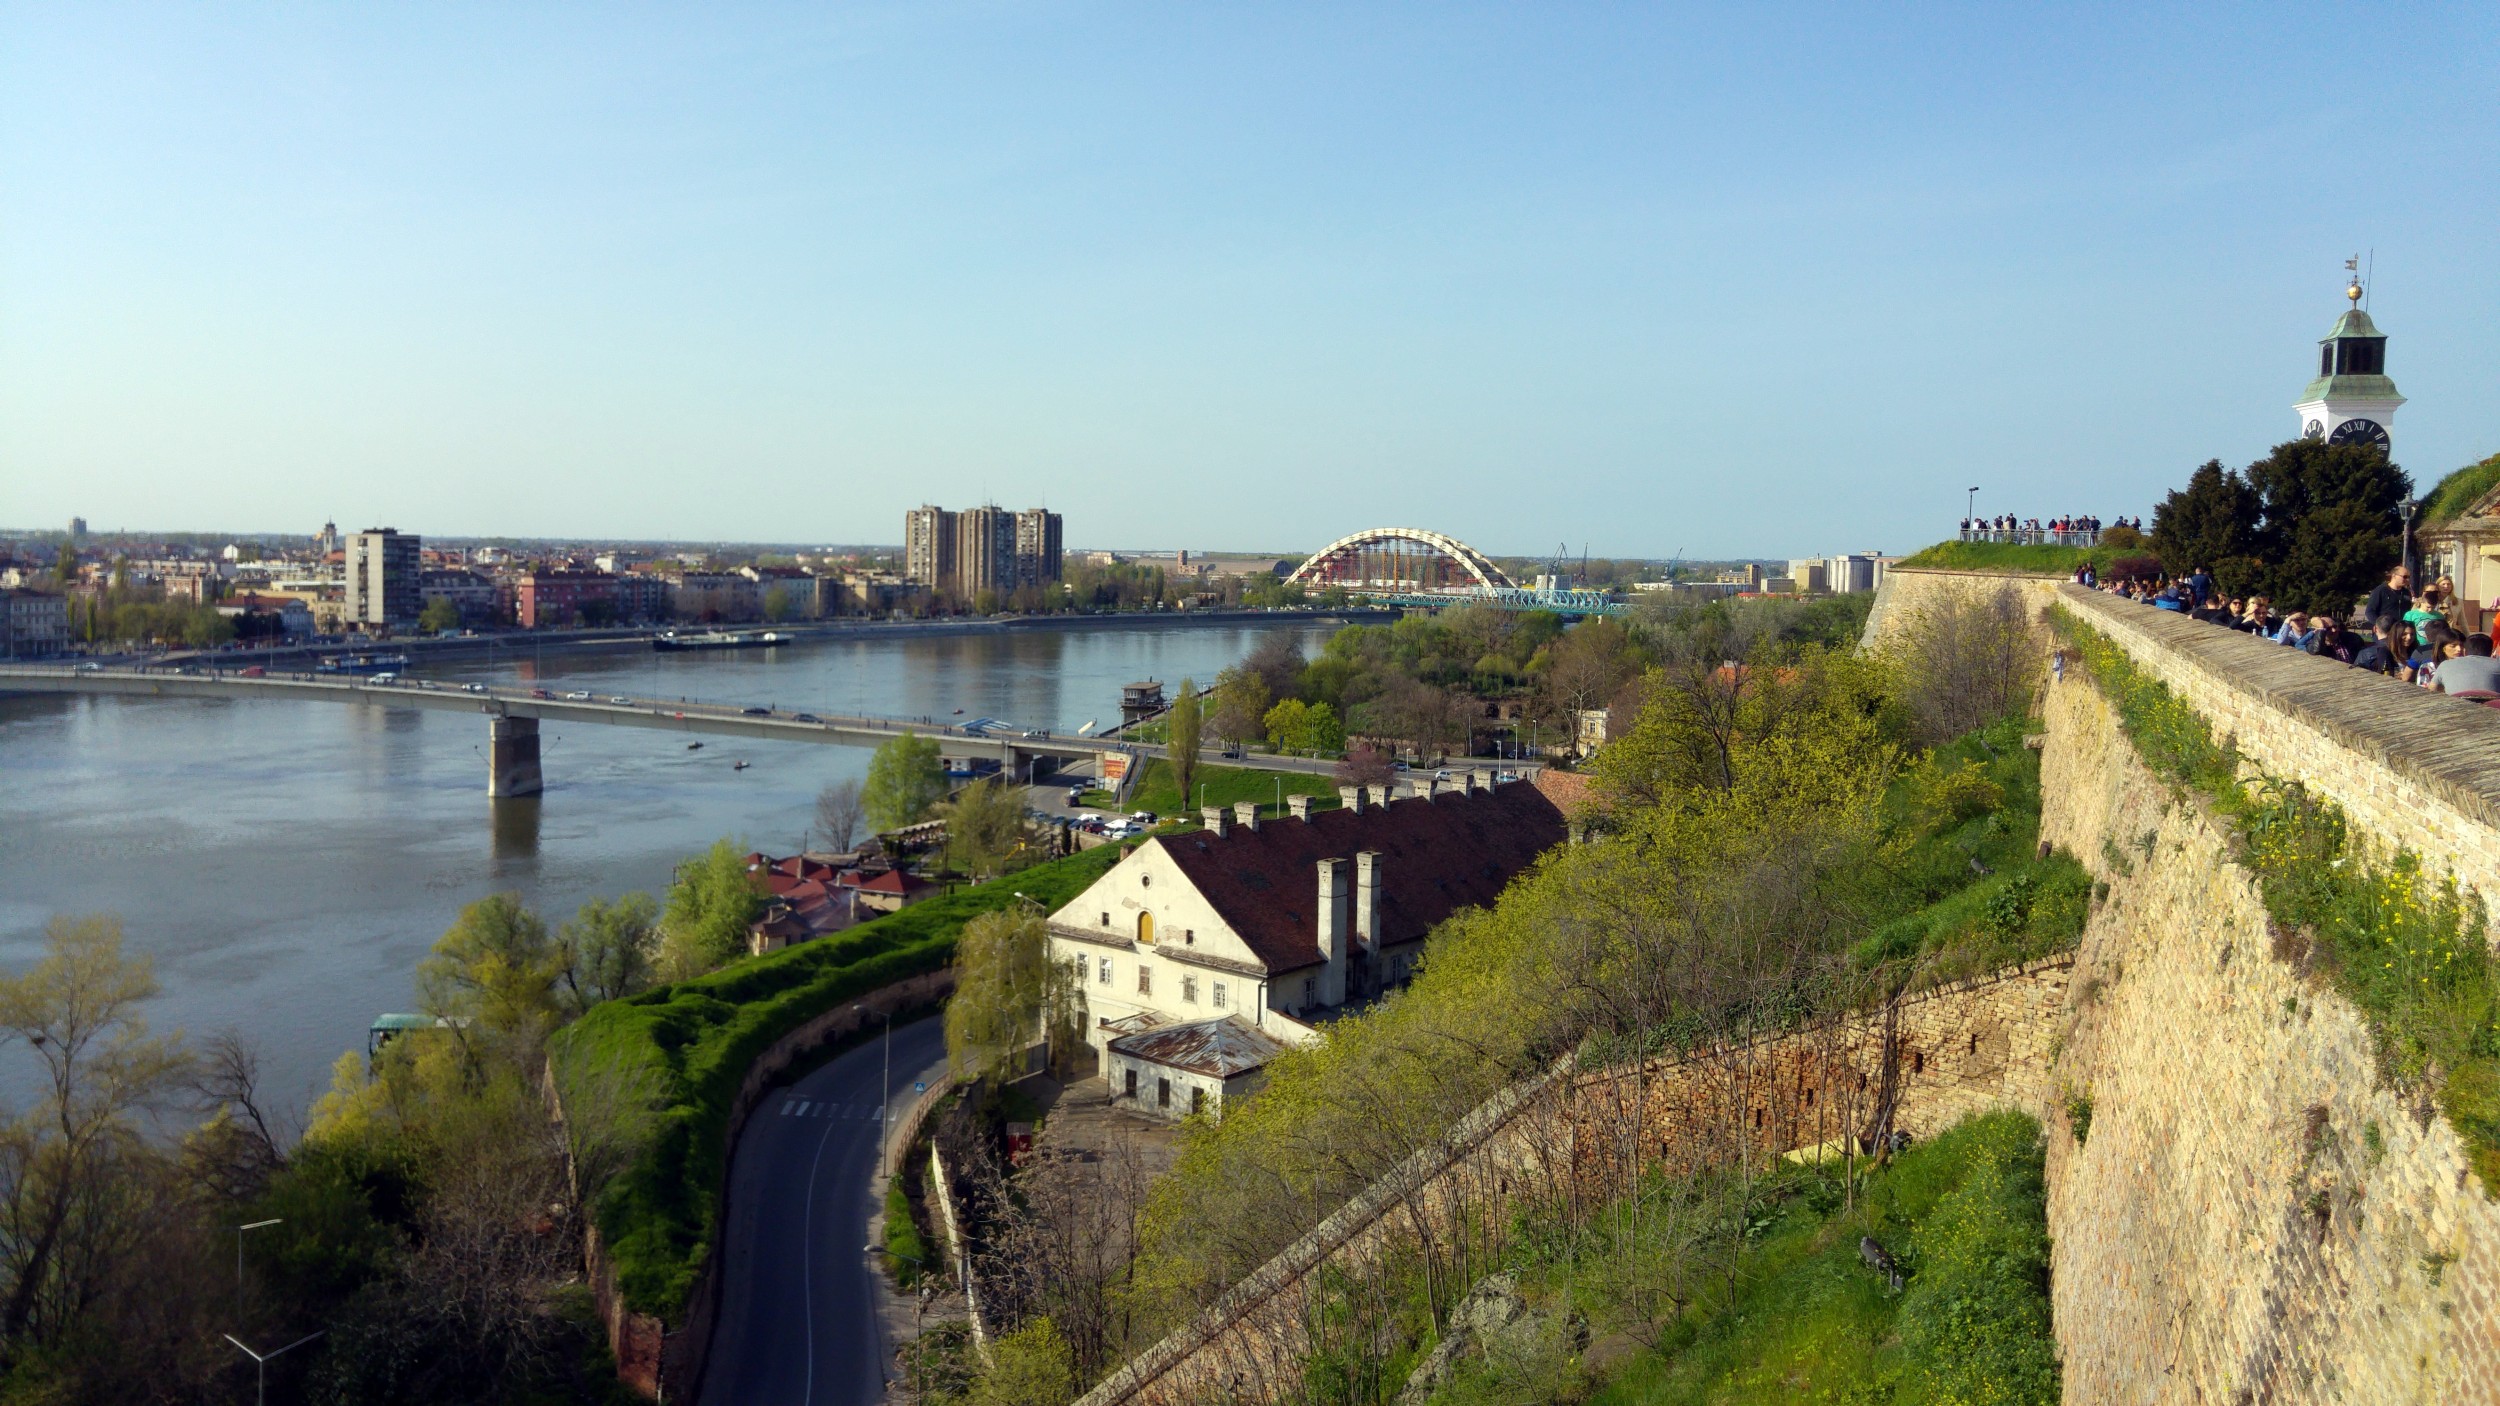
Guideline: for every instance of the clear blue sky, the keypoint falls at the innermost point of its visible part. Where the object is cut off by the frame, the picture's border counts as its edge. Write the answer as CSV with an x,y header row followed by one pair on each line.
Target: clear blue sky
x,y
1731,282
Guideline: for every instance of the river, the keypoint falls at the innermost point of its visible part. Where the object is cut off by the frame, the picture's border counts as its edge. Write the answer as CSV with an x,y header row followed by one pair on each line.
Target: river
x,y
288,864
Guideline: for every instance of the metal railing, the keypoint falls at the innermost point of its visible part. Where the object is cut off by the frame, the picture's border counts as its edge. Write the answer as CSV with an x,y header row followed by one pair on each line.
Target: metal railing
x,y
2032,536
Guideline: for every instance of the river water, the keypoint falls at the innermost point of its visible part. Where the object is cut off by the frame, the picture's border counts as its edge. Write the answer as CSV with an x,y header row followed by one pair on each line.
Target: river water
x,y
287,864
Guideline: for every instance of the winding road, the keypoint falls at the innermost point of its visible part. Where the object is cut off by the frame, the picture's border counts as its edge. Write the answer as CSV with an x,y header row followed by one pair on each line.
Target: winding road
x,y
798,1311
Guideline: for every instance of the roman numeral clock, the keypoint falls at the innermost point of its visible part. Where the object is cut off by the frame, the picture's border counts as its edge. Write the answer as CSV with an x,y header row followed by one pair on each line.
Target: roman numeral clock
x,y
2352,400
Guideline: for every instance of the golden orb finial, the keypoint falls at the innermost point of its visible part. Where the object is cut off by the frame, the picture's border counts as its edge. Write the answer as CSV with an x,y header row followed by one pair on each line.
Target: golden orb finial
x,y
2354,292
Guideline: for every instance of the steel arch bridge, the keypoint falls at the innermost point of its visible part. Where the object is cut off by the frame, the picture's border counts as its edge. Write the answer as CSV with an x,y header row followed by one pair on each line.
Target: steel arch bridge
x,y
1400,558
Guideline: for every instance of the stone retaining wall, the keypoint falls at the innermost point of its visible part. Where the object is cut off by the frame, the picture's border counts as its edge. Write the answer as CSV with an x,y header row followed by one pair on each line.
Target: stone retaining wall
x,y
2254,1217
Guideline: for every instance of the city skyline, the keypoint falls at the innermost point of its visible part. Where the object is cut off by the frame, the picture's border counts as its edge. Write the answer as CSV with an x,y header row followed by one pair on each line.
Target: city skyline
x,y
1753,285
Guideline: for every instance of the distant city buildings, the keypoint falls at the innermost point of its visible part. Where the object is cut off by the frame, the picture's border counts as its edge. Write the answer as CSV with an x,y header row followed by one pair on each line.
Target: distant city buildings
x,y
981,549
32,624
385,579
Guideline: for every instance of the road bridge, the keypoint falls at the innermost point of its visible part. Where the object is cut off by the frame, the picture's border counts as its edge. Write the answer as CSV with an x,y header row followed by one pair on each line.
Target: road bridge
x,y
513,715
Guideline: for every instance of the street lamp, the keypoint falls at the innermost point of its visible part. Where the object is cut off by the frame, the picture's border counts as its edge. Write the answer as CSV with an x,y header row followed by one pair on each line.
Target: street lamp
x,y
238,1252
1970,505
261,1362
2411,506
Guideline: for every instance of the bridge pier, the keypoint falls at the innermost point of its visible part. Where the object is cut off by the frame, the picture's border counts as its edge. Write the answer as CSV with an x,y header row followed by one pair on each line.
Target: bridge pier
x,y
512,757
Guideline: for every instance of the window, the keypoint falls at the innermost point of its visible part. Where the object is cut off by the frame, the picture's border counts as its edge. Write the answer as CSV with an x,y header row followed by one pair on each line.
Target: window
x,y
1189,988
1132,1084
1219,995
1145,980
1163,1093
1146,929
1106,920
1105,978
1310,990
1197,1100
1189,937
1145,881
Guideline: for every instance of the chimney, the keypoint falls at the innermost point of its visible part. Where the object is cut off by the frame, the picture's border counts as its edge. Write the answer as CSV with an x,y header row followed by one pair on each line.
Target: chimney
x,y
1335,897
1351,797
1299,807
1381,793
1214,816
1480,781
1247,812
1367,900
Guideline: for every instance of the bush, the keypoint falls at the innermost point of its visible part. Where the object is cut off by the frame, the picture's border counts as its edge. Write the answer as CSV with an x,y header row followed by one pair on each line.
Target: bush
x,y
1974,1319
697,1039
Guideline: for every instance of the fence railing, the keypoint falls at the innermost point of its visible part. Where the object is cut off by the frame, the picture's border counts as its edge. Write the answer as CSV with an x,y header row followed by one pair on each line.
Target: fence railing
x,y
2032,536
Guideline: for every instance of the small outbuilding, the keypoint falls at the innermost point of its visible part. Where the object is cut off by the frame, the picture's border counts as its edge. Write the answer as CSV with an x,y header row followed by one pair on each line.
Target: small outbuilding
x,y
1172,1071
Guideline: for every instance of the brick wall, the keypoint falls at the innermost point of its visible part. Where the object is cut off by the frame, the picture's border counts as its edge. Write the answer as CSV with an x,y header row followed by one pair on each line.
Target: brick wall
x,y
2254,1217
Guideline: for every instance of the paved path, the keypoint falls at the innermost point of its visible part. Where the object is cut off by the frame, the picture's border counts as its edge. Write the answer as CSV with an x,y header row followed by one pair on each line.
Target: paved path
x,y
798,1316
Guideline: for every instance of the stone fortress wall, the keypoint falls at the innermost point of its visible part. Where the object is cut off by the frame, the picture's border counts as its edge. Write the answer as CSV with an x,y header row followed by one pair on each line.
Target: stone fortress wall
x,y
2254,1216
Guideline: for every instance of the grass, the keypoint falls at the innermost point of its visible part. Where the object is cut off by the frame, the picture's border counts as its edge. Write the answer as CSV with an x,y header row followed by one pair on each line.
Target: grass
x,y
694,1041
907,1253
2007,556
2405,947
1807,1320
1973,892
1225,786
2458,490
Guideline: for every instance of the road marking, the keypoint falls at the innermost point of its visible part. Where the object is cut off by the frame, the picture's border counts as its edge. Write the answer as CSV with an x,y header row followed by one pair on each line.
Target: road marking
x,y
802,1108
786,1105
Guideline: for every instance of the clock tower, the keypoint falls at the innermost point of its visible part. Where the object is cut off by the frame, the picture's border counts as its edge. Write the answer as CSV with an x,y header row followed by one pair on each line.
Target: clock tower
x,y
2351,401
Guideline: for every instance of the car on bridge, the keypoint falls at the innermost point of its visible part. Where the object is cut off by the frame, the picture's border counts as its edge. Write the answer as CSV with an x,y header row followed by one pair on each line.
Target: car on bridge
x,y
474,687
579,695
757,712
807,718
621,701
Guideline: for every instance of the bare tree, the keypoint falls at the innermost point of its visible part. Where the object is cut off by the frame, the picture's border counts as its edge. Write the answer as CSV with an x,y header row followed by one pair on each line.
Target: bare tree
x,y
839,811
1967,660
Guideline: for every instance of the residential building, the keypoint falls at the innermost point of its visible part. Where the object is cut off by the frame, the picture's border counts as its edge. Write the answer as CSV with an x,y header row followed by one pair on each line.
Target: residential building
x,y
1280,924
807,901
33,624
1172,1071
716,596
295,618
985,551
929,546
558,599
888,890
1038,553
877,593
385,583
806,596
643,596
1850,571
474,596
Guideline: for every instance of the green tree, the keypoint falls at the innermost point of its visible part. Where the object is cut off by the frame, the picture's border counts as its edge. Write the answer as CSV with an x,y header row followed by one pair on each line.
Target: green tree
x,y
710,907
72,1209
780,603
607,952
2333,525
1029,1367
1296,726
1241,703
439,615
495,965
2215,522
1009,993
985,827
1185,726
904,780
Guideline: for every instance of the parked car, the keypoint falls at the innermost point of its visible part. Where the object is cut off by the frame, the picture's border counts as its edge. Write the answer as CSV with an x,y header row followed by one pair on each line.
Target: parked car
x,y
1142,817
1076,795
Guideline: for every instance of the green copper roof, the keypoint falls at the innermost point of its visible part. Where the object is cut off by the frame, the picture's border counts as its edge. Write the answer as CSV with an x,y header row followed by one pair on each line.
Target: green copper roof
x,y
2354,323
2350,388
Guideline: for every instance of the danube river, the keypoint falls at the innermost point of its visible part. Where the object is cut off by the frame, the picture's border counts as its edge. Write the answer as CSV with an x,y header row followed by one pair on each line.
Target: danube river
x,y
288,864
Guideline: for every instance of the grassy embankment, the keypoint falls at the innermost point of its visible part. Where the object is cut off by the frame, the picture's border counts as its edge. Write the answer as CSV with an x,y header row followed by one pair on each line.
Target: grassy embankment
x,y
1227,785
2006,556
2404,947
692,1043
1805,1318
2457,491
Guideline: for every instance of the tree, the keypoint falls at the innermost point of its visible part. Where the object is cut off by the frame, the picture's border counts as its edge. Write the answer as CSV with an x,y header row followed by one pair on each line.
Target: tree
x,y
496,965
904,780
1365,765
780,603
1008,994
2215,522
1584,668
70,1165
1966,661
607,952
1277,660
1240,705
838,810
439,615
710,907
1296,726
985,827
2332,521
1184,726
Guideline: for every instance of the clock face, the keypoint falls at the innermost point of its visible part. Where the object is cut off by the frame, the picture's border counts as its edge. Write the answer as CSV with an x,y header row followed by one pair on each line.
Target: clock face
x,y
2359,432
2316,429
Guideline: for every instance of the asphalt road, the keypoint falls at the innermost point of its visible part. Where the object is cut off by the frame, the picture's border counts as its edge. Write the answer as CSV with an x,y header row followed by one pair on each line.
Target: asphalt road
x,y
798,1322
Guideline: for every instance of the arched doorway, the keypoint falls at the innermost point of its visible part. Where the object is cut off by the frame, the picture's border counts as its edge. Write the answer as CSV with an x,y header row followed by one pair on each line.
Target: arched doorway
x,y
1146,929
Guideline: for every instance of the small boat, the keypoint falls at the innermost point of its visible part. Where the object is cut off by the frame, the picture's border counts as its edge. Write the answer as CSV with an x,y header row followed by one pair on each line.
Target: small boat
x,y
737,766
1087,730
694,746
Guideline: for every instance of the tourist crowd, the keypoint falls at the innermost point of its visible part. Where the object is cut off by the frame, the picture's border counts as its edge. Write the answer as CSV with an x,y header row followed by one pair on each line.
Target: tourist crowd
x,y
2008,522
2423,636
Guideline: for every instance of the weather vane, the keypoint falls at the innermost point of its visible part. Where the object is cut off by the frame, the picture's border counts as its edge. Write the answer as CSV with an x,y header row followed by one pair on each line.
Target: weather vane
x,y
2353,289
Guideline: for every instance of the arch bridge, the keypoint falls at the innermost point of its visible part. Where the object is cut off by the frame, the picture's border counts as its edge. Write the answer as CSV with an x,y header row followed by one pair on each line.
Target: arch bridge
x,y
1400,559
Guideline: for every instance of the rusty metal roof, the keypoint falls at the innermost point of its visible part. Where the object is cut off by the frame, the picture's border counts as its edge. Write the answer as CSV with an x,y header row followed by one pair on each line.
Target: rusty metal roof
x,y
1221,1048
